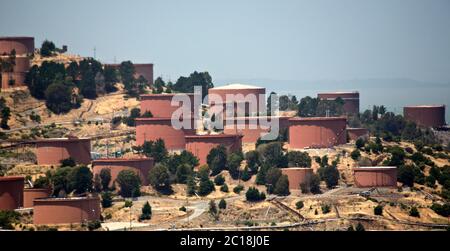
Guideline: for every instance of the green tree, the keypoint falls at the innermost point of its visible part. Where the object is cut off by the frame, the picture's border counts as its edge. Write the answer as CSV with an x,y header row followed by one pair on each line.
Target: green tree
x,y
68,162
222,204
272,154
217,159
233,164
111,78
186,84
246,174
206,187
331,176
414,212
127,71
219,180
155,149
282,186
360,142
272,177
47,48
299,205
105,177
183,172
146,212
254,195
60,180
298,159
224,188
315,184
378,210
355,155
360,228
252,159
212,208
159,177
406,175
130,184
191,186
80,179
106,199
59,97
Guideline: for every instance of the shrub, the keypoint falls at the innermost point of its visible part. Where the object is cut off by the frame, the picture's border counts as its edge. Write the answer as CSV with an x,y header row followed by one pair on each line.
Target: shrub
x,y
360,227
237,189
217,159
105,177
414,212
282,186
128,203
224,188
331,176
299,205
298,159
146,212
378,210
219,180
212,208
245,176
315,184
233,164
159,177
68,162
222,204
252,159
7,218
254,195
182,173
129,183
355,155
326,209
360,142
106,199
183,208
272,177
206,187
443,210
92,225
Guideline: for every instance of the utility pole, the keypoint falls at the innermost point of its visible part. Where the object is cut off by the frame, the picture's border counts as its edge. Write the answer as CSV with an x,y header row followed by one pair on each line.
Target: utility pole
x,y
95,52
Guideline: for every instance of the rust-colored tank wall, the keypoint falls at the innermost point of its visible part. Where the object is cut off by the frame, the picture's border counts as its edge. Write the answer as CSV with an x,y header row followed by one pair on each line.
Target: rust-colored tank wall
x,y
161,128
30,194
223,92
351,100
18,77
201,145
11,192
140,166
22,45
52,152
160,105
297,176
146,70
356,133
251,135
375,177
425,116
66,211
317,132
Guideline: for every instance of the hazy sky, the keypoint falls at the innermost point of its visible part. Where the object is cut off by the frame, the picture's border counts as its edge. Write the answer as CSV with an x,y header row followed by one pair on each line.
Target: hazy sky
x,y
285,40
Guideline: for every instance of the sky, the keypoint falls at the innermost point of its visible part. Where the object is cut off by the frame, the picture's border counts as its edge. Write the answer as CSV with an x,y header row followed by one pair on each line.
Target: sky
x,y
248,39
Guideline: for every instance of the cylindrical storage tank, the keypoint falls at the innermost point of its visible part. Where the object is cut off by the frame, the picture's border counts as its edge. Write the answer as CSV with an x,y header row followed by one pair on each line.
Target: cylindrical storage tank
x,y
201,145
317,132
377,176
248,94
30,194
22,45
252,128
52,151
151,129
351,100
356,133
53,211
140,166
11,192
297,176
160,104
145,70
425,115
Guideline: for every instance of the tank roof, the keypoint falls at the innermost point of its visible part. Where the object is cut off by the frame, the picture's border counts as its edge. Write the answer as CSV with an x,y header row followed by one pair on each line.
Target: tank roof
x,y
424,106
121,159
340,92
15,37
356,128
65,199
316,118
373,168
60,139
12,178
297,168
236,86
159,119
213,136
165,94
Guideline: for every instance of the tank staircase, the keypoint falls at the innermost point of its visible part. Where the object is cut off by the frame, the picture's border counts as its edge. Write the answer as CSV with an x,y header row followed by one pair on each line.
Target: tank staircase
x,y
285,207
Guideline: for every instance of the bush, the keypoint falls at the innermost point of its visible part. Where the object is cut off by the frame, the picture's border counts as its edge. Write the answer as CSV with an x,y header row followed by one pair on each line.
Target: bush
x,y
252,159
355,155
360,228
222,204
315,184
331,176
206,187
159,178
7,218
414,212
326,208
299,205
378,210
212,208
254,195
106,199
224,188
128,203
272,177
68,162
92,225
443,210
217,159
237,189
105,177
130,184
219,180
360,142
246,176
282,186
183,208
146,212
298,159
